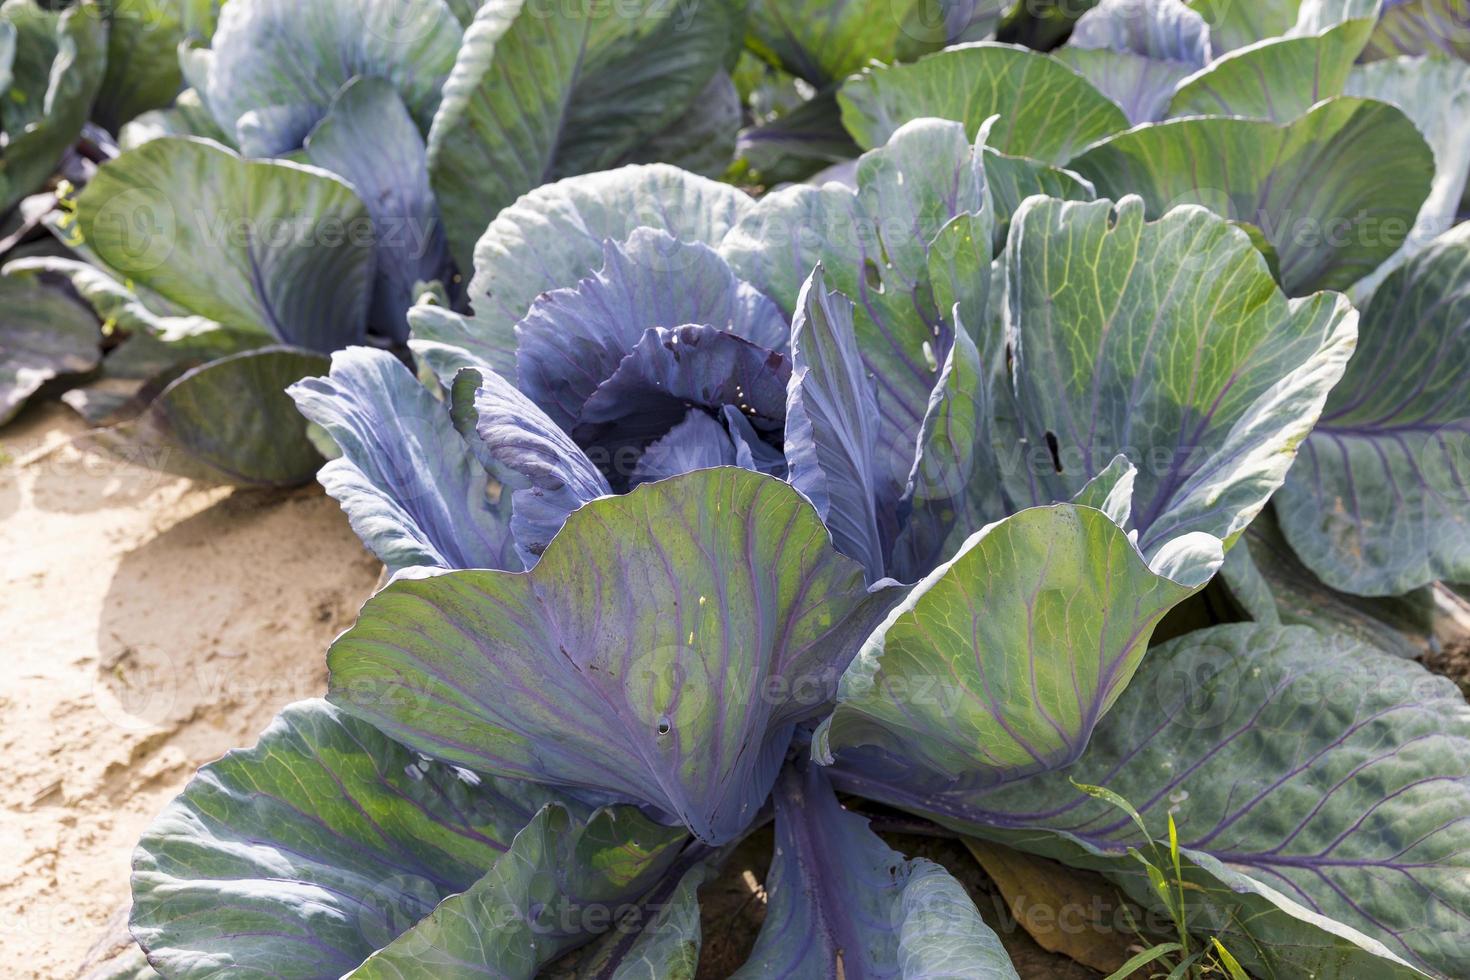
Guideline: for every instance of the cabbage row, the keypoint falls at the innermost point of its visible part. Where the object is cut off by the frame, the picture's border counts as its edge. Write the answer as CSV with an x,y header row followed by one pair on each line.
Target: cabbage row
x,y
780,414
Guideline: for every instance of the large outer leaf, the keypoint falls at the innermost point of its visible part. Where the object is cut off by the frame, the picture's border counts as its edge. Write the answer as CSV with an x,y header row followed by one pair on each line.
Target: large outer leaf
x,y
1278,79
661,650
554,236
875,247
1047,111
1380,501
300,857
1295,770
554,889
369,140
142,55
539,93
228,421
703,139
56,68
411,487
43,334
254,244
1421,27
1234,25
1333,774
1000,663
1335,192
1435,93
839,898
1272,586
1167,342
832,429
276,65
573,339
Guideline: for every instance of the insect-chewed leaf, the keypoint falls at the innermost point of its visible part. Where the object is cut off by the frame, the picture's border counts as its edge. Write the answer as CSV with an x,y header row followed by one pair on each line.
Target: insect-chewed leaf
x,y
662,649
1170,344
1380,502
838,894
321,844
1001,662
1335,192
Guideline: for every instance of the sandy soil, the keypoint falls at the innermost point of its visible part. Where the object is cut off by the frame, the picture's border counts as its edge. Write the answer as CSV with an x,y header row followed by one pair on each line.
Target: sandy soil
x,y
148,625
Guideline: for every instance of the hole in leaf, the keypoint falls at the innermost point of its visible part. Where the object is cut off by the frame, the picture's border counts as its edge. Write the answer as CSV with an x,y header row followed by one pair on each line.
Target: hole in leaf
x,y
872,275
1055,448
664,727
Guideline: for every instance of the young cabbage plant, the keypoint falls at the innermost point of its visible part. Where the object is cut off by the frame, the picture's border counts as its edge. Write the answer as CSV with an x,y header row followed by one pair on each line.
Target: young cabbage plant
x,y
652,511
329,164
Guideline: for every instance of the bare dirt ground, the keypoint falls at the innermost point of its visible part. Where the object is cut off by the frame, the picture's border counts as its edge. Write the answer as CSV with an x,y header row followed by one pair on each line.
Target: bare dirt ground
x,y
148,625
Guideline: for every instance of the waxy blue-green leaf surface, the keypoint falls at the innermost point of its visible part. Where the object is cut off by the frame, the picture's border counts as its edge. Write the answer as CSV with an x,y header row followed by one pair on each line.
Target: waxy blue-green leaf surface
x,y
54,70
661,650
1332,774
832,429
1279,79
1047,111
1000,663
302,856
411,487
276,65
542,92
1167,342
1272,587
555,236
1435,94
1379,502
1136,53
1335,192
1416,27
227,421
369,140
540,899
43,334
258,245
837,894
